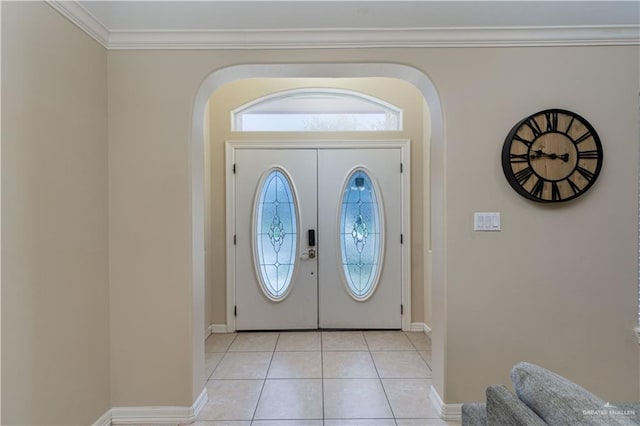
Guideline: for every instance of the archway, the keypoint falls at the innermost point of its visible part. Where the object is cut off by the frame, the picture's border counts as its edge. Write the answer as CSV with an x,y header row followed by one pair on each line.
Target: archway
x,y
434,156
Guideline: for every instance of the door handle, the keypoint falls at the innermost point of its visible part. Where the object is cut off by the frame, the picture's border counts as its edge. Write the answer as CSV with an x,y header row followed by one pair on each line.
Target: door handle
x,y
311,236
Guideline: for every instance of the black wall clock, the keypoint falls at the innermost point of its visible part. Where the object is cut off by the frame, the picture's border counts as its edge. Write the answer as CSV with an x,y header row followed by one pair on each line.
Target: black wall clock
x,y
552,156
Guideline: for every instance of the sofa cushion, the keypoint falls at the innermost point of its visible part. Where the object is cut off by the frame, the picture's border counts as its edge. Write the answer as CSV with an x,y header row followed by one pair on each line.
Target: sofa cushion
x,y
504,408
559,401
474,414
630,409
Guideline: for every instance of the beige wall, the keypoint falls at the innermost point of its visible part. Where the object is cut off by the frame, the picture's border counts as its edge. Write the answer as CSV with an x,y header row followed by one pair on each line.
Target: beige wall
x,y
55,310
150,231
551,288
236,94
556,287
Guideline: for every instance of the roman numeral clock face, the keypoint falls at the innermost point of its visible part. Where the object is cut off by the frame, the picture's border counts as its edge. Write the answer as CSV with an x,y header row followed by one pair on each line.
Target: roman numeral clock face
x,y
552,156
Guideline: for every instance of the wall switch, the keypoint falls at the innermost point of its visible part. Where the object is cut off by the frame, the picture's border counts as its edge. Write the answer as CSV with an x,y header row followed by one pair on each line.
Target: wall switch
x,y
486,221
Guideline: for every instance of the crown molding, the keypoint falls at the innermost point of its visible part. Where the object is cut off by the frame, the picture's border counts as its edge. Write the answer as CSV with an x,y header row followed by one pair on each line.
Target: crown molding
x,y
76,13
342,38
372,38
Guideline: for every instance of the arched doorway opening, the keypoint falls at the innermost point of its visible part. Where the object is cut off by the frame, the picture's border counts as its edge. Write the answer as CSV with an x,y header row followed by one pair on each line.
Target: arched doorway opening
x,y
433,253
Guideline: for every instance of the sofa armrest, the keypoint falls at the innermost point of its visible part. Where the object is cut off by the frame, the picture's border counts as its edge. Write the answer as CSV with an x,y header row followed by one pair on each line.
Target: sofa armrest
x,y
474,414
559,401
504,408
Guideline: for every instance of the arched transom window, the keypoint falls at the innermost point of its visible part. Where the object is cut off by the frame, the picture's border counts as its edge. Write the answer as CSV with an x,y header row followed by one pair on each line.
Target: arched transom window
x,y
317,110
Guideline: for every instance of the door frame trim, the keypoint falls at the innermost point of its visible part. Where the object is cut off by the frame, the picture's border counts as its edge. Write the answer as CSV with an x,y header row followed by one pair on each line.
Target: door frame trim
x,y
405,150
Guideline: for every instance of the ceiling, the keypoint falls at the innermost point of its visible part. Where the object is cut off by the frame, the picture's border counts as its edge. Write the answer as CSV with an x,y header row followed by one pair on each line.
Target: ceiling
x,y
116,23
248,15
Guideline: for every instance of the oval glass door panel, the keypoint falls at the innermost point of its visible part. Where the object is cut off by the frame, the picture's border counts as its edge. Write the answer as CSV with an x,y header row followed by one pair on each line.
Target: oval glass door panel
x,y
361,235
275,234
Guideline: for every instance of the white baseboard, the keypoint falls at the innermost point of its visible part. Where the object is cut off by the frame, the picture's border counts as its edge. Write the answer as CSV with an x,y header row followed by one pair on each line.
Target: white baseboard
x,y
438,404
199,403
447,412
154,415
218,328
104,420
420,326
427,330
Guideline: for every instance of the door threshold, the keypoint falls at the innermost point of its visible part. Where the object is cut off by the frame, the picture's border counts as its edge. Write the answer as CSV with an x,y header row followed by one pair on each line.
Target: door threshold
x,y
307,330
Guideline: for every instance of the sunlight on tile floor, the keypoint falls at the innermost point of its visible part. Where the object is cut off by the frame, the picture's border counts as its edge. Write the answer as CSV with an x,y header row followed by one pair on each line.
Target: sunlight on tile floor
x,y
328,378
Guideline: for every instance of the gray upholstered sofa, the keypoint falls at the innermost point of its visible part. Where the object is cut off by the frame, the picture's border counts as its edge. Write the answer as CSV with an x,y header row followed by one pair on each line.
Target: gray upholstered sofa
x,y
545,398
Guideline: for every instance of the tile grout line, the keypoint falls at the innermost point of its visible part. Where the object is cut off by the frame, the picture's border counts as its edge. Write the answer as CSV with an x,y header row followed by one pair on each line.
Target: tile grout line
x,y
429,349
224,354
366,342
264,382
411,341
418,350
323,418
219,362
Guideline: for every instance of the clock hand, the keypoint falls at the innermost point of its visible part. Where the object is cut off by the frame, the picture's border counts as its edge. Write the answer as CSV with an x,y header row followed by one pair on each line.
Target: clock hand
x,y
539,154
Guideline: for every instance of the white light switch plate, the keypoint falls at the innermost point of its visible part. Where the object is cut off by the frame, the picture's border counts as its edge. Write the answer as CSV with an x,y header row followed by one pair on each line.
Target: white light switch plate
x,y
486,221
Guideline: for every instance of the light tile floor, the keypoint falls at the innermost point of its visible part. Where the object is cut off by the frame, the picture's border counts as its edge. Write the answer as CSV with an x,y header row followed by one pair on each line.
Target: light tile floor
x,y
328,378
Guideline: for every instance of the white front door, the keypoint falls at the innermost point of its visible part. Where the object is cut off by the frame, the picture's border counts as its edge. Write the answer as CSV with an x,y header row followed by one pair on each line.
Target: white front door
x,y
318,238
276,203
359,196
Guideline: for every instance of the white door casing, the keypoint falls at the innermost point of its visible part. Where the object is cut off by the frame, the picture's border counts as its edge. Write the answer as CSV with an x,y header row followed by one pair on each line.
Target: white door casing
x,y
336,160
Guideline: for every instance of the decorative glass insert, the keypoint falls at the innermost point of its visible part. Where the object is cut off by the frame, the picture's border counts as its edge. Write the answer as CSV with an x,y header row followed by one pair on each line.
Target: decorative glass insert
x,y
360,235
275,233
317,110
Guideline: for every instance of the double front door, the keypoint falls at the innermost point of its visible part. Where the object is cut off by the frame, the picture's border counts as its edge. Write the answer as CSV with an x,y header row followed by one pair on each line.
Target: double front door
x,y
318,238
